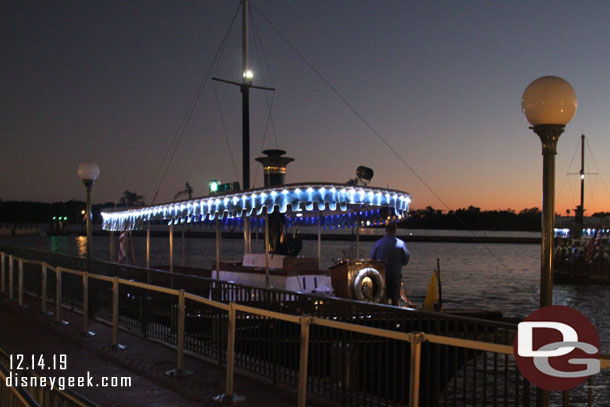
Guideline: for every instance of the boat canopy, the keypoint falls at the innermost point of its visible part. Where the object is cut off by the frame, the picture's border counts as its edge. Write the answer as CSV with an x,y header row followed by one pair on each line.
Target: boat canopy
x,y
332,206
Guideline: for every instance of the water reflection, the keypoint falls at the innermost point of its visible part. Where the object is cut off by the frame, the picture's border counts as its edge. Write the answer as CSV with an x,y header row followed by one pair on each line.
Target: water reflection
x,y
472,276
53,243
81,246
60,244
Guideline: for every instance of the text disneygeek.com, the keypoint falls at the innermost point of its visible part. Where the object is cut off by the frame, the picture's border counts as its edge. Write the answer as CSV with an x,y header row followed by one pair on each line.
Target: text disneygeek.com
x,y
61,383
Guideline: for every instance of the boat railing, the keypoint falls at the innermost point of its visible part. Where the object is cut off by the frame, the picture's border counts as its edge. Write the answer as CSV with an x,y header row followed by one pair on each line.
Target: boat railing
x,y
373,356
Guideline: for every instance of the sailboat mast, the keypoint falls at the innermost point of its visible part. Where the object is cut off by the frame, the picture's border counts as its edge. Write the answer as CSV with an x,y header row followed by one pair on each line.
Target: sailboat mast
x,y
580,209
245,91
582,177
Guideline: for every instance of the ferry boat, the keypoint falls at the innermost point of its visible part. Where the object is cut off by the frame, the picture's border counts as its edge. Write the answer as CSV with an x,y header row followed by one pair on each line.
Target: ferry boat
x,y
280,210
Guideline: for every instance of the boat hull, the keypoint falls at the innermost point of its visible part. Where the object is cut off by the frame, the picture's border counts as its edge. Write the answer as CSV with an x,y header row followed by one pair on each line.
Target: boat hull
x,y
582,273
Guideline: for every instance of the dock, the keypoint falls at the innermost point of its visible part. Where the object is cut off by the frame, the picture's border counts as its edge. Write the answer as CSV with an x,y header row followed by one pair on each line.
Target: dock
x,y
272,346
144,362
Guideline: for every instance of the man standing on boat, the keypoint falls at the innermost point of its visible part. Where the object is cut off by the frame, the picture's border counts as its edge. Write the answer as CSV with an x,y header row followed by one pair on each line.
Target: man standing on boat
x,y
394,252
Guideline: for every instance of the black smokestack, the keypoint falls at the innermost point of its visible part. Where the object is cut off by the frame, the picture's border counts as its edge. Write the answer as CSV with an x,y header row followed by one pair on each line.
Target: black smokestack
x,y
274,166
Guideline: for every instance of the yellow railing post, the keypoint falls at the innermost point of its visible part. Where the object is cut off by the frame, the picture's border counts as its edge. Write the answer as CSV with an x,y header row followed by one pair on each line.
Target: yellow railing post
x,y
86,332
57,294
115,311
58,320
179,370
20,283
228,397
416,341
148,245
115,316
171,248
2,276
565,398
304,354
180,339
43,289
10,277
230,350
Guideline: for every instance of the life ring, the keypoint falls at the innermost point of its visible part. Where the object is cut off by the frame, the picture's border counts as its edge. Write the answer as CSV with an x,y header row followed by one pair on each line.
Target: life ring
x,y
361,282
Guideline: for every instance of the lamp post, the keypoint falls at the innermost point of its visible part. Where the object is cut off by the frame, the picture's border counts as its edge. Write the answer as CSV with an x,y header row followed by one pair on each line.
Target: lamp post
x,y
88,173
548,103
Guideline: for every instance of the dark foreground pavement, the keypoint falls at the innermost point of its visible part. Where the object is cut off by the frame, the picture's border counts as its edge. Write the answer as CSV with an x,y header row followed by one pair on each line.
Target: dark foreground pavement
x,y
25,331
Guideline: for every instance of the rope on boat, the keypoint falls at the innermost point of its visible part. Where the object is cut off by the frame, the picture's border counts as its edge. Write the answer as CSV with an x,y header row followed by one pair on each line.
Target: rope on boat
x,y
565,178
182,127
601,176
258,43
224,128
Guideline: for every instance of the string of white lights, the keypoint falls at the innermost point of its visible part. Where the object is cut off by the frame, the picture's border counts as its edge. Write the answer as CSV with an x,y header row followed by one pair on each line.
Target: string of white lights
x,y
319,199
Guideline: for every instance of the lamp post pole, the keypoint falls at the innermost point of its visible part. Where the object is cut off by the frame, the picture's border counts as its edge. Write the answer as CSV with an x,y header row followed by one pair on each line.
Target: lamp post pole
x,y
88,185
549,135
88,173
548,103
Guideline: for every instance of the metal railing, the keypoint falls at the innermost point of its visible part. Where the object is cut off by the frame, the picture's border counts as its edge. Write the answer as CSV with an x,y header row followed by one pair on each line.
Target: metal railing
x,y
357,353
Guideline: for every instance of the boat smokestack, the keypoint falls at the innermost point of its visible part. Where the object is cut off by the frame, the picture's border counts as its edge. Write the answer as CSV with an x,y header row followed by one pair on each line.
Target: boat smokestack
x,y
274,166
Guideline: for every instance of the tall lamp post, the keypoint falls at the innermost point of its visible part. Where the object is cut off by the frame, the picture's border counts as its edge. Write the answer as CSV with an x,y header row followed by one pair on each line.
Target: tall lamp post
x,y
88,173
548,103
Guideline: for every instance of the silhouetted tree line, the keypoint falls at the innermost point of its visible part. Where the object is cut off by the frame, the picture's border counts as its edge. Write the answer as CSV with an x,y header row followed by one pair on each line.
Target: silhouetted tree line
x,y
472,218
42,212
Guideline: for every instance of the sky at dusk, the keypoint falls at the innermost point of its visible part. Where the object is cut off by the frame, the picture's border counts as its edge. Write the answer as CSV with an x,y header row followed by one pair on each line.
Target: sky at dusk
x,y
441,82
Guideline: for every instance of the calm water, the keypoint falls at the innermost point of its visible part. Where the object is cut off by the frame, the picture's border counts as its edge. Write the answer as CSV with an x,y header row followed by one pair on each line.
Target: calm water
x,y
486,276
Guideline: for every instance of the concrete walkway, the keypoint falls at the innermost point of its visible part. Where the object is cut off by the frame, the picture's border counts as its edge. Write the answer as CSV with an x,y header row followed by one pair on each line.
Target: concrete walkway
x,y
25,331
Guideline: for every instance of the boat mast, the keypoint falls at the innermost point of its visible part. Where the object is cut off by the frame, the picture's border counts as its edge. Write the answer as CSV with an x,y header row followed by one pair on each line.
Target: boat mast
x,y
580,211
245,99
245,85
